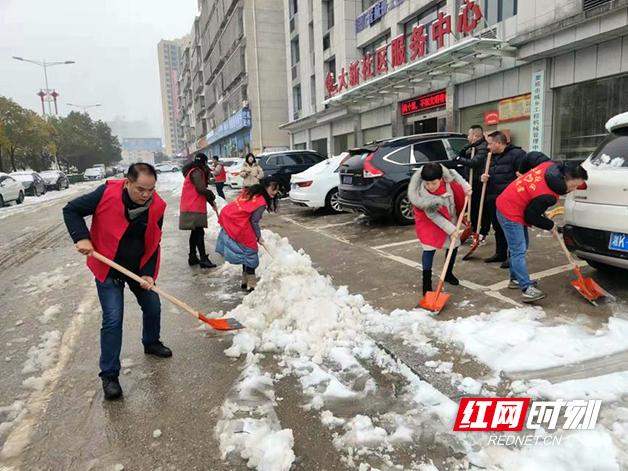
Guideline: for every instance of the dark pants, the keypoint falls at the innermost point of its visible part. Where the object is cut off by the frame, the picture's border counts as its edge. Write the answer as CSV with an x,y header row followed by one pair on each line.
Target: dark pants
x,y
219,189
501,245
111,295
427,259
197,242
248,270
475,211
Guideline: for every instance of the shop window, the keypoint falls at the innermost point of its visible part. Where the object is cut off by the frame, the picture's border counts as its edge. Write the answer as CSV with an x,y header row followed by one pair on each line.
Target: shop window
x,y
376,44
580,113
400,156
495,11
431,151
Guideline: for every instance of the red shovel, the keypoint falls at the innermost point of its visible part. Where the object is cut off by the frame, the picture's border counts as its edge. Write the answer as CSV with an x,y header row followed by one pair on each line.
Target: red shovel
x,y
435,300
217,324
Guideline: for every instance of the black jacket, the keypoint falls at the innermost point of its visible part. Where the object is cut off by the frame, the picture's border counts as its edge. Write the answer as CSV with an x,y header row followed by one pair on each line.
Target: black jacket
x,y
503,169
534,213
131,246
531,160
478,162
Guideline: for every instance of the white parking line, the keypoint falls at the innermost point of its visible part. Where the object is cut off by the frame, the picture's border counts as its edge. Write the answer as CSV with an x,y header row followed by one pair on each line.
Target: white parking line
x,y
537,276
338,224
395,244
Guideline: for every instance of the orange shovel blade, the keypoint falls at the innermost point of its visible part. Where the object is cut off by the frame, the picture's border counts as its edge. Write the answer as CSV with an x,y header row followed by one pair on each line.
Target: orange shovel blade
x,y
221,323
434,301
588,288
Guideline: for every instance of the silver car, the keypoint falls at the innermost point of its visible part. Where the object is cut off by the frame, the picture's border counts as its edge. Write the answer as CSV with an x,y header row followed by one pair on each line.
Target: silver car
x,y
10,190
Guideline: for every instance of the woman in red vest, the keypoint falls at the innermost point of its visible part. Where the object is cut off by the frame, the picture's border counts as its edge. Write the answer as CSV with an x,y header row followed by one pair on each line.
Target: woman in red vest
x,y
524,202
193,208
220,176
127,217
437,195
240,234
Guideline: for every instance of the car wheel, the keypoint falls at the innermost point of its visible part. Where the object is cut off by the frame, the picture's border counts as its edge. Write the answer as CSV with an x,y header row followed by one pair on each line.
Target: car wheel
x,y
20,198
59,186
402,209
332,202
35,191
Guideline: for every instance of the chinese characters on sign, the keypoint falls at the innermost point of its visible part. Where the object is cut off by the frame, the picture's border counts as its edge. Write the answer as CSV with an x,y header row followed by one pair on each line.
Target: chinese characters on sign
x,y
384,60
536,111
509,414
423,102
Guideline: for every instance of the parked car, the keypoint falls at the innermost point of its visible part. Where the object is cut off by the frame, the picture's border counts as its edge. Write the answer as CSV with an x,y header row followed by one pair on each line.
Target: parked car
x,y
32,182
374,181
55,179
166,167
317,187
283,164
94,173
234,180
10,190
596,216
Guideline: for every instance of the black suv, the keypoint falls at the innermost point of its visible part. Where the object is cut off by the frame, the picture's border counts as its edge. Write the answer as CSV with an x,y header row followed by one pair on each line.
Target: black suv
x,y
375,180
282,165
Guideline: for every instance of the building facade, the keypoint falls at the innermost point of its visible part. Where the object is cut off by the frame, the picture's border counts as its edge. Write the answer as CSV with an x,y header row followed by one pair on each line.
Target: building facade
x,y
547,72
140,149
232,85
169,58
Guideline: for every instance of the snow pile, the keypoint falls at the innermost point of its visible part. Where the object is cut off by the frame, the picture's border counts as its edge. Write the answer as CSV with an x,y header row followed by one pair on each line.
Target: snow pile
x,y
44,354
605,161
50,313
46,282
11,415
172,181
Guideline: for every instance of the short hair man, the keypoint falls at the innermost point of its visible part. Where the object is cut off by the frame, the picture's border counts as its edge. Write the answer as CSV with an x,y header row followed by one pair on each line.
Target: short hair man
x,y
127,217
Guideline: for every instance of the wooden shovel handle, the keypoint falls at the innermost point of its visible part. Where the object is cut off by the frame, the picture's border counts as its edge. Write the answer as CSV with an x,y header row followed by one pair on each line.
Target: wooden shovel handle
x,y
483,195
566,250
454,237
139,279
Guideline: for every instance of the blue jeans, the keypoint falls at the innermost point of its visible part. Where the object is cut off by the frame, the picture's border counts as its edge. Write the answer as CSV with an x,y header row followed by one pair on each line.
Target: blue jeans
x,y
111,295
518,241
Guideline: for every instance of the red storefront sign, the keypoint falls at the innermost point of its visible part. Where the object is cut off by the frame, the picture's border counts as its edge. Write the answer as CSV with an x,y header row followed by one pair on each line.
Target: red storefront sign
x,y
491,118
393,55
424,102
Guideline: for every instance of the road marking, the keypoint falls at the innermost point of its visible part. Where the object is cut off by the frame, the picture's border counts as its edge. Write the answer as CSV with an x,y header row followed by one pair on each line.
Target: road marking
x,y
296,223
19,437
337,224
395,244
537,276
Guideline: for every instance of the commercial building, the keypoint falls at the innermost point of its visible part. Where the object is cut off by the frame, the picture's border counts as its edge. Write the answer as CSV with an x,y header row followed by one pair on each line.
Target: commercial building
x,y
169,57
233,82
549,73
140,149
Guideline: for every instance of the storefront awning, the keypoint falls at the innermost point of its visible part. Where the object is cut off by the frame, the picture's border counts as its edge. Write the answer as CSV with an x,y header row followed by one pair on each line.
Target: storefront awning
x,y
451,65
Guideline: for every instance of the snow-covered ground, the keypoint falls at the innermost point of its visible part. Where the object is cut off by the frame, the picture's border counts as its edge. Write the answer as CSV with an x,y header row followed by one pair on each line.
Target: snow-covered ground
x,y
323,335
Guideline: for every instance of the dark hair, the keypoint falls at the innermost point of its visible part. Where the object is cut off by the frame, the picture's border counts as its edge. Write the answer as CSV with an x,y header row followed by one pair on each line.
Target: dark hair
x,y
246,157
215,157
573,170
499,137
476,126
135,169
260,189
200,158
431,171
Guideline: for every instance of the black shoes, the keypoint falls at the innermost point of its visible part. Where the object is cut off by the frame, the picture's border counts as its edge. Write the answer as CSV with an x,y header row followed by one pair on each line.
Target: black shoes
x,y
205,262
111,388
158,349
451,279
495,258
505,264
193,260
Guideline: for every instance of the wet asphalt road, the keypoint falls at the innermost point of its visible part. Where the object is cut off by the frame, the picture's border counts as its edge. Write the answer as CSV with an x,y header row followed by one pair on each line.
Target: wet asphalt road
x,y
67,425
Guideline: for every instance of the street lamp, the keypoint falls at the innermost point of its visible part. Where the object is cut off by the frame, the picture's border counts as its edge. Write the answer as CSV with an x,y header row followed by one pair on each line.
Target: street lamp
x,y
84,107
44,64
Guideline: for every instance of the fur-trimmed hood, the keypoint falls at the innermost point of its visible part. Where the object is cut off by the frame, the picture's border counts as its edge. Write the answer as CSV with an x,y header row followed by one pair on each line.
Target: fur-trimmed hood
x,y
426,201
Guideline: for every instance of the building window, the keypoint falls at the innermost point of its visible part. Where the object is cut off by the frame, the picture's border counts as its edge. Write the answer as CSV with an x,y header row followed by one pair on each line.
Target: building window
x,y
313,92
366,4
494,11
326,42
425,18
295,55
330,66
296,98
328,14
580,113
373,46
293,7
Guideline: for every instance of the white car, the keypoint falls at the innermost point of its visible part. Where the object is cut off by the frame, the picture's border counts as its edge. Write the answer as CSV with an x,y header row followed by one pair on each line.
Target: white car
x,y
234,180
317,187
596,217
162,168
10,190
94,173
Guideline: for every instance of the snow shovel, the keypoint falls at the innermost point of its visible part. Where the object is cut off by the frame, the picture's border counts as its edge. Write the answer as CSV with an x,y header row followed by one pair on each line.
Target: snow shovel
x,y
468,229
217,324
435,300
587,287
476,235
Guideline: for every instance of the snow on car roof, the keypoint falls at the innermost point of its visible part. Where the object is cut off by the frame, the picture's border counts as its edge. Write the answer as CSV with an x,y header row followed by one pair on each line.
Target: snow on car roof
x,y
617,121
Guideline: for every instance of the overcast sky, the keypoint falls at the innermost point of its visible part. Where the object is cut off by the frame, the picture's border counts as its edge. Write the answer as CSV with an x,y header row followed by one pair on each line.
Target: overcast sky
x,y
114,44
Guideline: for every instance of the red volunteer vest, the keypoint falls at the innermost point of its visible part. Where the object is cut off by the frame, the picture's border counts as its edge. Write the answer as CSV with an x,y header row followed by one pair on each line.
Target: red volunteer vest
x,y
428,232
235,219
191,201
222,176
109,223
514,200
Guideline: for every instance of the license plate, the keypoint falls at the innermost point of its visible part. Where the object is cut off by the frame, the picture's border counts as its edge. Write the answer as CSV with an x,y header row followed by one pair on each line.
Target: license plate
x,y
347,179
619,241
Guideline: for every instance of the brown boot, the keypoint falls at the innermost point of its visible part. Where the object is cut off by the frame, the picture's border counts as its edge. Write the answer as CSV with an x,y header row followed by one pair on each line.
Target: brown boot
x,y
251,282
244,280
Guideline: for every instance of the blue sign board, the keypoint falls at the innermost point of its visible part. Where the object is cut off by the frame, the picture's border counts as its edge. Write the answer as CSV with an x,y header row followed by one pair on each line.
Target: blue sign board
x,y
240,120
375,13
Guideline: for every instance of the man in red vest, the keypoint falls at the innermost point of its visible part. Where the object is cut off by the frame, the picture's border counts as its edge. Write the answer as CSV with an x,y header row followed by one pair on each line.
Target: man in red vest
x,y
220,176
127,216
523,203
